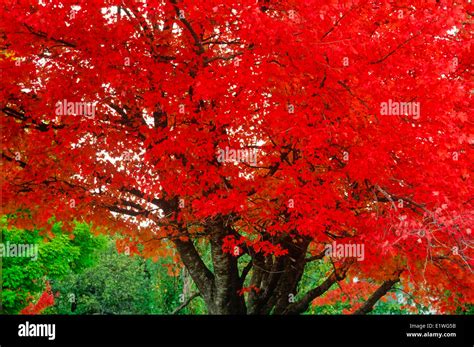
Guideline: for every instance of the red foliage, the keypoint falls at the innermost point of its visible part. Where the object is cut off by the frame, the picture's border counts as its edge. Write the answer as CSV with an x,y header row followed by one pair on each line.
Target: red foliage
x,y
127,247
46,300
249,289
302,83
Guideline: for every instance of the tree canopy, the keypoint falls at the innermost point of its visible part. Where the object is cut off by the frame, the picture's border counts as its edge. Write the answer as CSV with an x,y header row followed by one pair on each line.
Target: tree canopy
x,y
268,130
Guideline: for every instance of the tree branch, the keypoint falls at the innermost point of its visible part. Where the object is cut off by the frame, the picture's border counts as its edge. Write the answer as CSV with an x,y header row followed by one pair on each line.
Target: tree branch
x,y
186,303
395,49
245,272
302,305
316,257
43,35
188,26
201,275
368,306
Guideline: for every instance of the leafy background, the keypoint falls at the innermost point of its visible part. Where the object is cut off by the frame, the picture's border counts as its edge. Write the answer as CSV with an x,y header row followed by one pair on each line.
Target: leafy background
x,y
88,275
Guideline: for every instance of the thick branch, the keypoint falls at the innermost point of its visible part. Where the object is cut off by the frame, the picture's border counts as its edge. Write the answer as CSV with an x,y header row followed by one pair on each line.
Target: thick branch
x,y
245,272
199,272
381,291
188,26
302,305
316,257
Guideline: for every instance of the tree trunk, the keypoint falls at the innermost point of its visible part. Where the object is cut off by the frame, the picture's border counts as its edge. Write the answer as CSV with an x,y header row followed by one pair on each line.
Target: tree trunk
x,y
276,278
226,286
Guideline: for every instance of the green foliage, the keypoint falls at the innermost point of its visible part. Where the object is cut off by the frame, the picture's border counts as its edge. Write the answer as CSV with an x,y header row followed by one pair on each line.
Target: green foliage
x,y
89,276
117,284
314,275
391,306
168,291
316,272
23,279
122,284
89,245
468,310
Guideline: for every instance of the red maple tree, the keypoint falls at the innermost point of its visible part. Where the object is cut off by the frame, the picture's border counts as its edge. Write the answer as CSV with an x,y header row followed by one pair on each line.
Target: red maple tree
x,y
265,128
